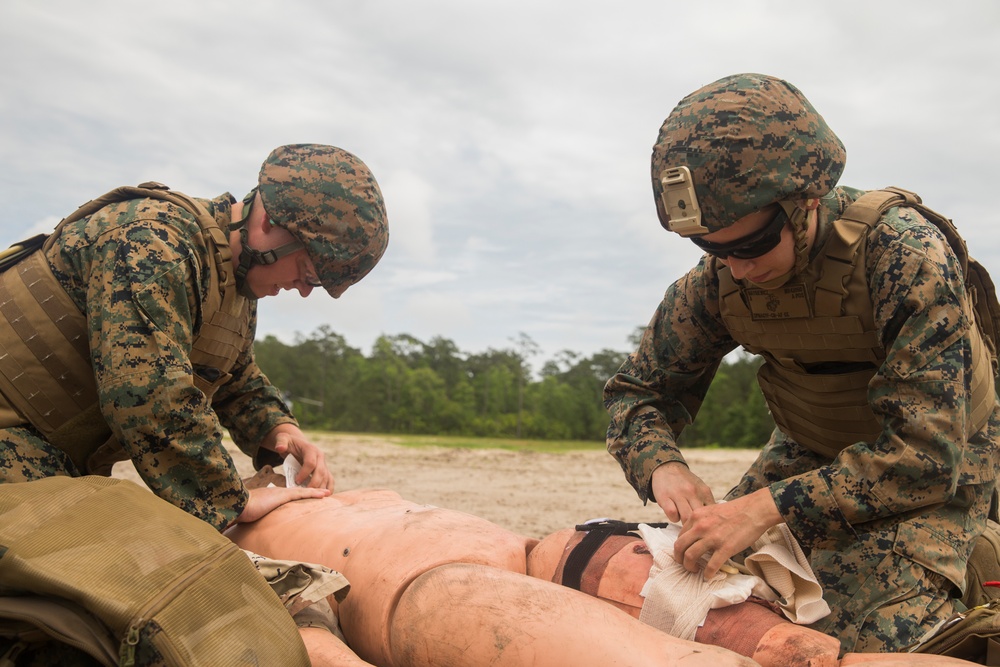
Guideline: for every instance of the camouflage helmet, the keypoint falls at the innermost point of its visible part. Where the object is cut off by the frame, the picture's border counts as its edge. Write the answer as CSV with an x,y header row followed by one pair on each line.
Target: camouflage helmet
x,y
742,143
329,200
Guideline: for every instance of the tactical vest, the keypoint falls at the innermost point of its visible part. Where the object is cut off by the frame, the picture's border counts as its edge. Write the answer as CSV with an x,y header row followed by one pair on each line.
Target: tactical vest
x,y
46,376
818,335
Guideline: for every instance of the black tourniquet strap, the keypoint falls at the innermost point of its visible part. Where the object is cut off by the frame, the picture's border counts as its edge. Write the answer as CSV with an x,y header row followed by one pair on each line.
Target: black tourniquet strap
x,y
597,533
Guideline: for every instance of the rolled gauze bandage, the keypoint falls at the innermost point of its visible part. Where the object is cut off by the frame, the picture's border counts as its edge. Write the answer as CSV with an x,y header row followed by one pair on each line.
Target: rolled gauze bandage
x,y
778,559
677,601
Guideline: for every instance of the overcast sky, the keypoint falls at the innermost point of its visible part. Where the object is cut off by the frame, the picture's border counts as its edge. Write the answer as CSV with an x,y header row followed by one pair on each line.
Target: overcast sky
x,y
511,139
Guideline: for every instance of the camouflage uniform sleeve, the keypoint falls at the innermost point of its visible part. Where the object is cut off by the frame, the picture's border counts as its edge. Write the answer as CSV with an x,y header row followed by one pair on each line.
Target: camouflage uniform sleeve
x,y
249,405
142,302
661,386
920,393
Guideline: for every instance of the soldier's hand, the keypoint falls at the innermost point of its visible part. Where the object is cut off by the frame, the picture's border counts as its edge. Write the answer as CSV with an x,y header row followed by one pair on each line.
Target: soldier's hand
x,y
265,499
311,458
678,491
288,440
720,531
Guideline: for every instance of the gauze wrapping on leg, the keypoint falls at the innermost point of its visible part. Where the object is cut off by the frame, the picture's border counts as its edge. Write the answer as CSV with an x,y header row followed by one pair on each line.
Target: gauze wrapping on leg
x,y
778,559
677,601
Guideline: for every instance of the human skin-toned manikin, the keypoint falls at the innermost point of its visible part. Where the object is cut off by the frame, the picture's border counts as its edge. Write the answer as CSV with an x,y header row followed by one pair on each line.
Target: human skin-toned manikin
x,y
433,587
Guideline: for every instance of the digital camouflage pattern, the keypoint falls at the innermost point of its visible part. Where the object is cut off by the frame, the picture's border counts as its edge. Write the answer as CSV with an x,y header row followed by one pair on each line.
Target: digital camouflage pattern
x,y
139,271
329,200
882,563
884,518
749,140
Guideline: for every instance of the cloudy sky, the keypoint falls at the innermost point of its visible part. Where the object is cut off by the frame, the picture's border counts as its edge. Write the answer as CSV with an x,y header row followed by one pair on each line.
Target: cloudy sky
x,y
511,139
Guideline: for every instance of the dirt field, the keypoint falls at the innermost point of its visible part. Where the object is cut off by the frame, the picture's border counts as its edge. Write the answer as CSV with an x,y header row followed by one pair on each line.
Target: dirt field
x,y
529,493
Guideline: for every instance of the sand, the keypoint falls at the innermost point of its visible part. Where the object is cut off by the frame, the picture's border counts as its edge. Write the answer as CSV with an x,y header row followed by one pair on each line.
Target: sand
x,y
527,492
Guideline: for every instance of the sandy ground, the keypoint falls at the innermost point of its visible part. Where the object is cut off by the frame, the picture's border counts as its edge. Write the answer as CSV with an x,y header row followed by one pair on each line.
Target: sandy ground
x,y
530,493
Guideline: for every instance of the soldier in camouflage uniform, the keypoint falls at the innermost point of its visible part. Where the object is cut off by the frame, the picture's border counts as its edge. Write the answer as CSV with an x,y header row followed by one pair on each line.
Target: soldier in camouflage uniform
x,y
130,331
884,460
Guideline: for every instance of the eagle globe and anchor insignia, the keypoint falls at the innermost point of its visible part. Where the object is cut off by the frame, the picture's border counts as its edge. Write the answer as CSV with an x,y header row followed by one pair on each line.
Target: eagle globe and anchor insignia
x,y
784,303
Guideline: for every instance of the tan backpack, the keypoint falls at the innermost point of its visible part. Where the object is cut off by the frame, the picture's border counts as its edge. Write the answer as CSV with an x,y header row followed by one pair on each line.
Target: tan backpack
x,y
107,567
870,207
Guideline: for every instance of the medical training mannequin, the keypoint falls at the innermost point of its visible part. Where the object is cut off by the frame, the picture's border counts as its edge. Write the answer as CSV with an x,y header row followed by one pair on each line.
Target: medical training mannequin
x,y
426,584
438,587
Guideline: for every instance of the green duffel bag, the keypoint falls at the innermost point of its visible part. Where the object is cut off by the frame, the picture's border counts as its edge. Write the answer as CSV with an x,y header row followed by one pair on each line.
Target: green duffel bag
x,y
106,567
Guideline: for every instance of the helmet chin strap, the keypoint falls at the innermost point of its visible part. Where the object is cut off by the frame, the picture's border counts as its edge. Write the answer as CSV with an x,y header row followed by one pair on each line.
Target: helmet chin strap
x,y
250,257
798,218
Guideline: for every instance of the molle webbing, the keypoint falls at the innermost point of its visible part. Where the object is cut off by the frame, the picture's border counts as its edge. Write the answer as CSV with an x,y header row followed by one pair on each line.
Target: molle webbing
x,y
823,413
49,383
825,319
827,322
827,315
45,367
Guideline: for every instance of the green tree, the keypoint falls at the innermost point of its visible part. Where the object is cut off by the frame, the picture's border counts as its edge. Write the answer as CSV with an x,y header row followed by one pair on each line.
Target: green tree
x,y
734,413
408,386
524,347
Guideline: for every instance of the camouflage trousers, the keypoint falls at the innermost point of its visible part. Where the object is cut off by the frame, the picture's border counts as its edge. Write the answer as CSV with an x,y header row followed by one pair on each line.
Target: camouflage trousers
x,y
881,601
26,456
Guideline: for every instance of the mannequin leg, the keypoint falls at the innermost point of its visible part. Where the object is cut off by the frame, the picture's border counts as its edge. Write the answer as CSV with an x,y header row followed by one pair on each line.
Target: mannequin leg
x,y
755,630
901,660
462,614
325,649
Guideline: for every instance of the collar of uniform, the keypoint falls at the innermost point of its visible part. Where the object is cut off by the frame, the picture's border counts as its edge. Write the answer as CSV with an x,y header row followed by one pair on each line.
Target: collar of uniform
x,y
831,206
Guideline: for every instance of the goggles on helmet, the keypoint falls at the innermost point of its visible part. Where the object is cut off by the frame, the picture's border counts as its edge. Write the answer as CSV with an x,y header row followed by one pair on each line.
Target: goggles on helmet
x,y
750,246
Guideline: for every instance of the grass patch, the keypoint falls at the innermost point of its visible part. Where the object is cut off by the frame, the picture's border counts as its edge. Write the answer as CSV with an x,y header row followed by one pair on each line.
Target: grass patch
x,y
470,442
499,443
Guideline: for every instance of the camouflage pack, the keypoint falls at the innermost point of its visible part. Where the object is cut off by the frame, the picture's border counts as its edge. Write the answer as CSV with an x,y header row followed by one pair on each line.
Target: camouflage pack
x,y
107,567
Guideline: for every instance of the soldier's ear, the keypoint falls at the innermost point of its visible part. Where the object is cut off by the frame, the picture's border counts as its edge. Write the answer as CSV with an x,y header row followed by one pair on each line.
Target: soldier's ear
x,y
265,222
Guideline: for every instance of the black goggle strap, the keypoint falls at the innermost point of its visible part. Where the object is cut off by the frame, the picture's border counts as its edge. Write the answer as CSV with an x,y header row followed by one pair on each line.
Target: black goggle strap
x,y
740,246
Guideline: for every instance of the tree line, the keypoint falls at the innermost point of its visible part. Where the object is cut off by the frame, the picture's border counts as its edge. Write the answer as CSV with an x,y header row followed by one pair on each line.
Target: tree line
x,y
409,386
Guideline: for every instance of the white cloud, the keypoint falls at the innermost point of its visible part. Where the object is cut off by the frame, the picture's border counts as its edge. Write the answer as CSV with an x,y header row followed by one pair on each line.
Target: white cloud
x,y
511,139
409,208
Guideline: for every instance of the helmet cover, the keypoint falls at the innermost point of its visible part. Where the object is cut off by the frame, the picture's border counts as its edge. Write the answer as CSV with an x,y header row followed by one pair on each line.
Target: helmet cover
x,y
748,140
329,200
